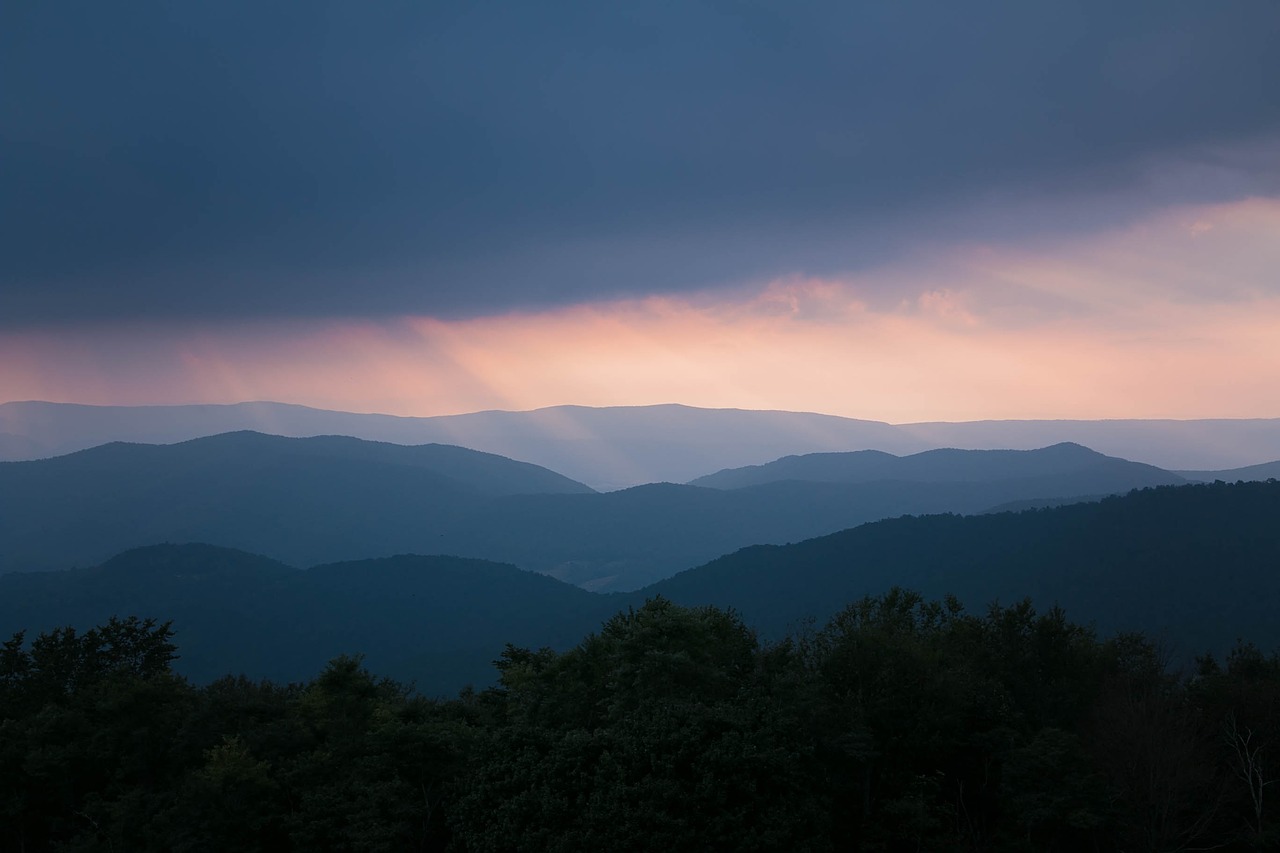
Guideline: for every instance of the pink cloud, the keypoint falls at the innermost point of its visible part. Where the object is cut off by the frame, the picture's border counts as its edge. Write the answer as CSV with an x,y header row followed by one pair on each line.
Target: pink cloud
x,y
1177,316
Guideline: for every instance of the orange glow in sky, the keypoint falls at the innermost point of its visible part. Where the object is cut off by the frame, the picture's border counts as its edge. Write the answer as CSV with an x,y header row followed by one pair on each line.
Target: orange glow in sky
x,y
1177,316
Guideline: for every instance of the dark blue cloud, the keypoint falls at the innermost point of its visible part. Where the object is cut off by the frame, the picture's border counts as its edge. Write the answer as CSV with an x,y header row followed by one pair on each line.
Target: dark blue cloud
x,y
235,158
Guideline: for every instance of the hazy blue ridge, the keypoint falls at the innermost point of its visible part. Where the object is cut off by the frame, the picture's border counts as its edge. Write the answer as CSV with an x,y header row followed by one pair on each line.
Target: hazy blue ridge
x,y
1264,471
327,499
302,501
1067,463
439,621
620,446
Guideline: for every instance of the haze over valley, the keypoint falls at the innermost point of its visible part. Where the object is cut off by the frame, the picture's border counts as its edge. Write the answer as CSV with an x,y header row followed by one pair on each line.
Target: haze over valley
x,y
618,447
311,500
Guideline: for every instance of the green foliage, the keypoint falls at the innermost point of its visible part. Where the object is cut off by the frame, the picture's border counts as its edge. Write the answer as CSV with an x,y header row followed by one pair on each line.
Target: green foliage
x,y
87,724
659,731
227,803
902,724
1054,793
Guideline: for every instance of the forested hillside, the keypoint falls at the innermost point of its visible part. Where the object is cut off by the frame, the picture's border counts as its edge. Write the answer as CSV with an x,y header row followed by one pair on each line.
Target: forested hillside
x,y
1194,566
435,621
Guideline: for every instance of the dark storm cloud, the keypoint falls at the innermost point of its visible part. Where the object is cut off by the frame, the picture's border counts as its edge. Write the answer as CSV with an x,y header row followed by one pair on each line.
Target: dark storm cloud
x,y
265,158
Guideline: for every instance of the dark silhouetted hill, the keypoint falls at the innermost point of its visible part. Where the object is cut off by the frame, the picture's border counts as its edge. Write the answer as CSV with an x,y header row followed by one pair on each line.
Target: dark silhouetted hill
x,y
1197,564
437,620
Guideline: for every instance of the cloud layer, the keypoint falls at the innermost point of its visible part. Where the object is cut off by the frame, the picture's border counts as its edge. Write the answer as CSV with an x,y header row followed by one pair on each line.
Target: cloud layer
x,y
1172,316
232,161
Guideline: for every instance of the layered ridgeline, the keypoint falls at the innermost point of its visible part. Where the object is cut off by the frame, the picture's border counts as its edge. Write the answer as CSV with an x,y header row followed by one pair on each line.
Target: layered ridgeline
x,y
616,447
1195,565
308,501
439,621
300,500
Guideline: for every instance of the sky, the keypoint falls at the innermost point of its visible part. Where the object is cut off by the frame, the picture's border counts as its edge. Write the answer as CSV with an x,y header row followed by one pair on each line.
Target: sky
x,y
900,211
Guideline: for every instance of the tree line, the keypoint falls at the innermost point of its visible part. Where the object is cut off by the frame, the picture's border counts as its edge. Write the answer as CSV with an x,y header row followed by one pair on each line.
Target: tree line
x,y
901,724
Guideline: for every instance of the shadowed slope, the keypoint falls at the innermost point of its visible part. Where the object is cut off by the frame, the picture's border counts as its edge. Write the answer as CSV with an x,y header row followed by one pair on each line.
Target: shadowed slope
x,y
437,620
299,500
1195,563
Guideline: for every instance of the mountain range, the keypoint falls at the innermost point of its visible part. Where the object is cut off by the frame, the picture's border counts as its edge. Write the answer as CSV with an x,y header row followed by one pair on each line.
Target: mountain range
x,y
617,447
1194,566
1059,470
304,501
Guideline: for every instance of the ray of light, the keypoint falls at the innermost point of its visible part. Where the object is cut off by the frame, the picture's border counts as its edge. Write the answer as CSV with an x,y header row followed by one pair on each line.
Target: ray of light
x,y
1176,316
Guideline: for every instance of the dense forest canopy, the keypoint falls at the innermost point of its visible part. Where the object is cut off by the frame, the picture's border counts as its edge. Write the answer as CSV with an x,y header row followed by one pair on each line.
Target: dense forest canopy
x,y
706,711
901,724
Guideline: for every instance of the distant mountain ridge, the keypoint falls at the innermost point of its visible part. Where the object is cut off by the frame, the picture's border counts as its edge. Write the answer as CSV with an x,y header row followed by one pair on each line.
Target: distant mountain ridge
x,y
484,473
315,500
606,448
616,447
1264,471
1065,466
